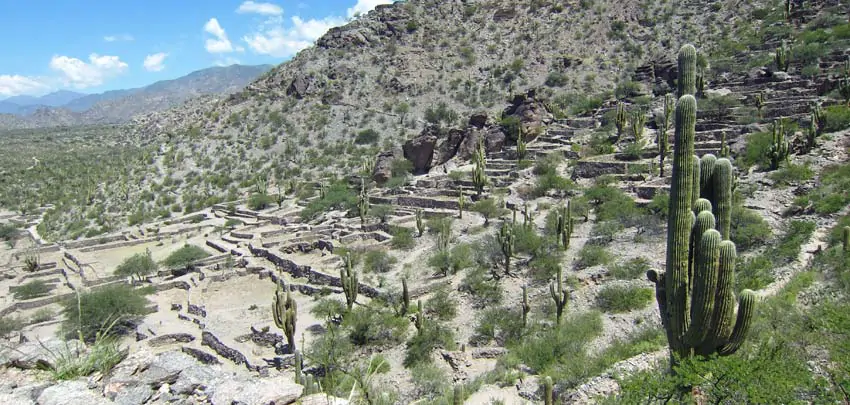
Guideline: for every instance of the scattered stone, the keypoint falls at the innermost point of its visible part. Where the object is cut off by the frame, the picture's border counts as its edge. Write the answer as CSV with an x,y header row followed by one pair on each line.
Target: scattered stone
x,y
279,390
171,338
70,392
208,339
201,355
176,307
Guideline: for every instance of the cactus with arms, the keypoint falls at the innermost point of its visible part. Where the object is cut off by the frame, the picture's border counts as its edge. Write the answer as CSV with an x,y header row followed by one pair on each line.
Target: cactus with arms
x,y
526,307
780,148
506,241
638,122
783,57
284,312
559,295
620,119
695,295
350,285
564,226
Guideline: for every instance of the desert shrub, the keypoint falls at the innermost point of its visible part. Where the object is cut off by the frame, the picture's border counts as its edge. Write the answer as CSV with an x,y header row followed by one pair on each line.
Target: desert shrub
x,y
548,164
512,126
400,167
32,289
481,287
42,315
441,305
440,113
119,306
749,229
792,174
796,233
551,181
185,256
502,325
488,208
8,232
753,273
338,196
452,260
370,326
556,79
432,336
547,351
526,240
382,212
9,324
402,237
755,152
831,195
546,263
627,88
232,223
367,136
259,201
138,265
593,255
630,269
660,205
623,298
379,261
429,379
612,204
439,225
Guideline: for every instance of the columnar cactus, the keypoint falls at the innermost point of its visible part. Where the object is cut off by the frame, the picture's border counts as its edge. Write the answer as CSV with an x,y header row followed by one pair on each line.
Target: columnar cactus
x,y
548,391
461,202
700,83
811,135
284,312
405,297
506,241
564,226
845,237
311,386
620,119
818,118
420,226
687,80
479,178
526,308
369,166
783,57
419,322
695,295
559,295
760,103
521,147
363,202
527,217
350,285
780,148
724,146
844,82
638,122
663,138
457,395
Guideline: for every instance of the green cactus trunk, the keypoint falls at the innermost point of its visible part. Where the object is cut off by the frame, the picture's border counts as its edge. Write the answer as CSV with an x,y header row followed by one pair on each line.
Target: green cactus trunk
x,y
687,81
284,313
560,296
548,391
845,237
526,308
350,285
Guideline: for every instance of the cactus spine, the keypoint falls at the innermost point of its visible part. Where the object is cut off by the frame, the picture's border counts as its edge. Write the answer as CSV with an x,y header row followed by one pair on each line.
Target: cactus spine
x,y
506,241
780,148
695,295
638,122
559,295
420,226
620,119
350,286
526,308
284,312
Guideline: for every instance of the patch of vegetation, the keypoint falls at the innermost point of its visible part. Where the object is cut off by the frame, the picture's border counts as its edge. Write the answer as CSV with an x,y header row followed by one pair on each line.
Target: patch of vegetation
x,y
259,201
792,174
749,229
338,196
379,261
185,256
630,269
402,237
831,195
593,255
32,289
479,284
432,336
367,137
372,326
113,309
138,265
9,324
620,298
502,325
836,117
441,305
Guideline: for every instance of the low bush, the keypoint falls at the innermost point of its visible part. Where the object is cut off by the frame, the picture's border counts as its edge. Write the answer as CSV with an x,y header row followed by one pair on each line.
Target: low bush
x,y
441,305
749,229
370,326
402,237
185,256
502,325
623,298
378,261
550,351
630,269
432,336
831,195
479,284
792,174
593,255
32,289
112,309
338,196
138,265
8,325
259,201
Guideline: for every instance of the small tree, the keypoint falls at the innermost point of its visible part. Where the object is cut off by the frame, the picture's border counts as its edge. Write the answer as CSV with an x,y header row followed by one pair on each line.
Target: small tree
x,y
138,265
113,309
183,257
488,208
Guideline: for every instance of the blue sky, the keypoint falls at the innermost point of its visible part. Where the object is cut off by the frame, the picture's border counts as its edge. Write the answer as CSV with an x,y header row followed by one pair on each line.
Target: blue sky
x,y
92,46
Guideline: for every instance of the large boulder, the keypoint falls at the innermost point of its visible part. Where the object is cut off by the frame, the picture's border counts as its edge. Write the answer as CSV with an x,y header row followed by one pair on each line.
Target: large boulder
x,y
384,166
494,141
420,150
532,113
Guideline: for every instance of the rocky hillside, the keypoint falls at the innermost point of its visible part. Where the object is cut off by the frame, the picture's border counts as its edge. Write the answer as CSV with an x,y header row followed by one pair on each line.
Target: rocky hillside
x,y
120,105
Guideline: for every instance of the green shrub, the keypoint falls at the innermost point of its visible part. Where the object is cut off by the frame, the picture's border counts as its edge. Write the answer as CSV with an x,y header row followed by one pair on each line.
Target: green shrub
x,y
548,351
120,306
402,237
8,232
452,261
379,261
593,255
420,346
749,229
102,356
138,265
42,315
259,201
502,325
660,205
551,181
9,325
338,196
630,269
623,298
430,380
32,289
753,273
479,284
837,118
370,326
367,136
441,305
185,256
556,79
831,195
401,167
488,208
796,234
755,152
792,174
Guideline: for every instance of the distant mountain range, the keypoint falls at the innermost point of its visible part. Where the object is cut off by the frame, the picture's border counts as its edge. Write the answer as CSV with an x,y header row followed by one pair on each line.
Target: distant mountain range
x,y
116,106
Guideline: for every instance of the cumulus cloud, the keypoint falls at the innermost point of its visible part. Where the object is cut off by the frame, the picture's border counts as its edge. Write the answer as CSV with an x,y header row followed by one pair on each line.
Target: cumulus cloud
x,y
154,62
219,44
227,61
276,40
250,7
365,6
115,38
80,74
16,85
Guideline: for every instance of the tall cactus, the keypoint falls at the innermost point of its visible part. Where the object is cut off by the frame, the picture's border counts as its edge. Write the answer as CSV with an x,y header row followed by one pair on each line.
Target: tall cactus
x,y
620,119
419,321
695,295
457,395
687,80
548,391
559,295
783,57
479,178
350,285
363,202
420,226
405,297
506,241
526,307
724,146
779,149
461,202
638,123
521,147
663,138
284,312
564,226
845,239
760,103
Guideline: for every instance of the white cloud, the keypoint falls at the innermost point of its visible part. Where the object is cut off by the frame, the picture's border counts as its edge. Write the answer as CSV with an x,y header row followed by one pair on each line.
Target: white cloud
x,y
276,40
365,6
154,62
259,8
80,74
220,44
16,85
226,61
115,38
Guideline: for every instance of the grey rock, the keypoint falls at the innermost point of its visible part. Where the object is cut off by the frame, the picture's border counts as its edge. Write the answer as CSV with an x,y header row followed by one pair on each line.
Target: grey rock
x,y
278,390
383,167
201,356
136,395
70,392
30,354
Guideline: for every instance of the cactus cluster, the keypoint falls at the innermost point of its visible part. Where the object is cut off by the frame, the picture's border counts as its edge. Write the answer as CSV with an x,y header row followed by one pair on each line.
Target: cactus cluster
x,y
638,123
521,147
783,57
506,242
779,149
369,166
284,312
310,383
527,217
559,295
350,285
696,293
620,119
564,226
